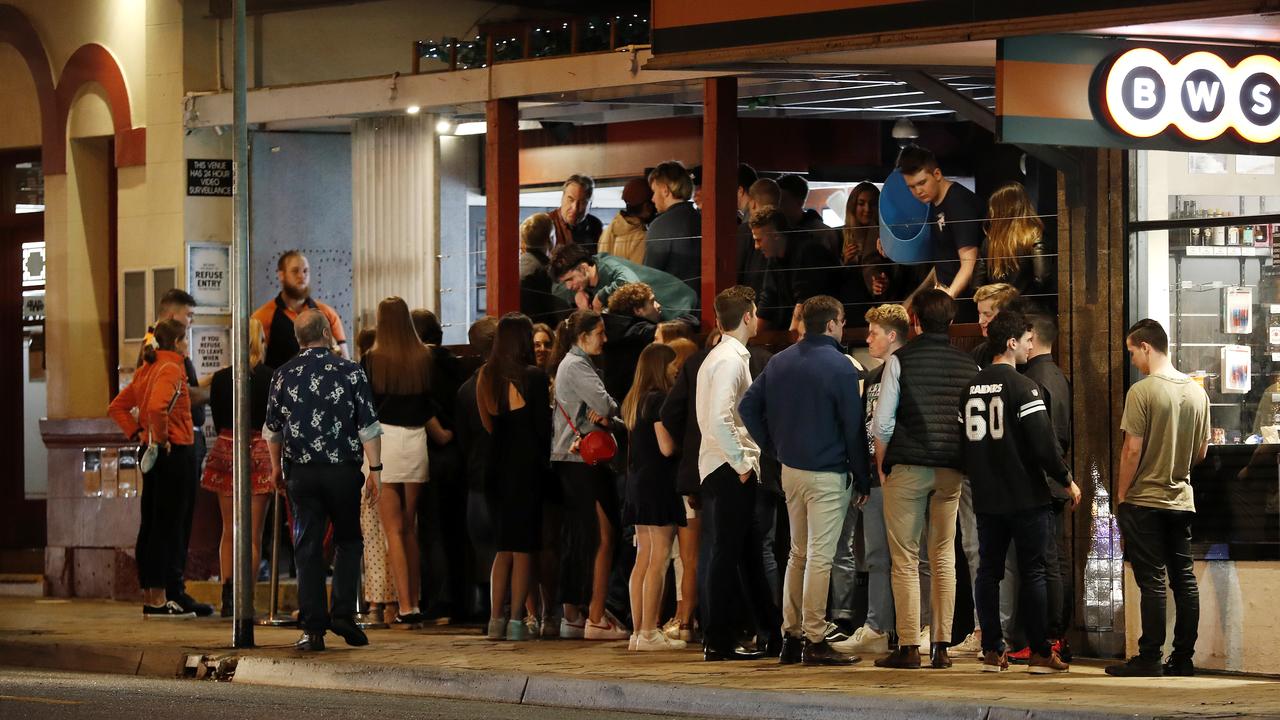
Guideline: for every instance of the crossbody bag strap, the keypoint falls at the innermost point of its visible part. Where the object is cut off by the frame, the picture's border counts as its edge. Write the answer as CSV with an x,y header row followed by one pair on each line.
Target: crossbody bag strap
x,y
146,399
566,419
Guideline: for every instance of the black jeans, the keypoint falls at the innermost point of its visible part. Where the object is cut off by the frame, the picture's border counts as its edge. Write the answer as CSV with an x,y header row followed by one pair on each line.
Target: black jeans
x,y
729,531
168,496
322,494
1057,579
1157,542
1029,532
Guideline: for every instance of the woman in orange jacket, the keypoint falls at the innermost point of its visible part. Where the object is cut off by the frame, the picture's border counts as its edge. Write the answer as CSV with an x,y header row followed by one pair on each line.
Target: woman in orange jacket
x,y
161,400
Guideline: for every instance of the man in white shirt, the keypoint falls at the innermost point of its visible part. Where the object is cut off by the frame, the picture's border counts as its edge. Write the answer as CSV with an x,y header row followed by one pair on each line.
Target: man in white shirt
x,y
729,467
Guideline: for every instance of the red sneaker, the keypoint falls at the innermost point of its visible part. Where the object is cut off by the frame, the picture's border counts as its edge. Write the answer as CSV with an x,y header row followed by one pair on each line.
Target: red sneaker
x,y
1020,657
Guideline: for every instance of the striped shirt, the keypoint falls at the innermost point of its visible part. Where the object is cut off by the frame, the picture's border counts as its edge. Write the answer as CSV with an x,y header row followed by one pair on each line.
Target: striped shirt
x,y
1009,445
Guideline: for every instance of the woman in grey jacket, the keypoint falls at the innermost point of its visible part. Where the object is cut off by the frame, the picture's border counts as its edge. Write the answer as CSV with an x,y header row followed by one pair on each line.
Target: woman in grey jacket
x,y
591,513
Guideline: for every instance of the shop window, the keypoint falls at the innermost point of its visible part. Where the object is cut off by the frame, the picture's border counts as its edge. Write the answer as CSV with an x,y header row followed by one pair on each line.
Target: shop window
x,y
1203,263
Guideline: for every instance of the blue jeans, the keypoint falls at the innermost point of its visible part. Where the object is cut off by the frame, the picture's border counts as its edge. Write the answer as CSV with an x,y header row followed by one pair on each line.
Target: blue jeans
x,y
1028,530
321,494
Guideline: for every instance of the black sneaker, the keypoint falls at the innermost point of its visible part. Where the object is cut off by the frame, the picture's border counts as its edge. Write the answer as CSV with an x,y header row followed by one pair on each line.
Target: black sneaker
x,y
189,604
1137,666
1178,667
413,619
168,611
836,634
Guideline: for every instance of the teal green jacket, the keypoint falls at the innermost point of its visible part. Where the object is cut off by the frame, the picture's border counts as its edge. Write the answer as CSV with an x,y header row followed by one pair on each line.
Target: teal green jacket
x,y
612,272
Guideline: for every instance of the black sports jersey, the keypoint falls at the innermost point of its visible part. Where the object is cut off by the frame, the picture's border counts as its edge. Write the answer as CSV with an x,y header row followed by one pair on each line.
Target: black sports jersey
x,y
1009,444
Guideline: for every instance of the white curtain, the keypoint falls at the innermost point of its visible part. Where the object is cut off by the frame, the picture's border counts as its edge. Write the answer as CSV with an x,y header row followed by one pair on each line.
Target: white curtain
x,y
395,191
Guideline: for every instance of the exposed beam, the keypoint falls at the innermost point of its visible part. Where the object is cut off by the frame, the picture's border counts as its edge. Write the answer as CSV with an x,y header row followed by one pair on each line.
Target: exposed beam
x,y
963,105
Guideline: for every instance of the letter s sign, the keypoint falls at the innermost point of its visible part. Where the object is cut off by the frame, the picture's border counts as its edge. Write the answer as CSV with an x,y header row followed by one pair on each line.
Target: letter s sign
x,y
1142,95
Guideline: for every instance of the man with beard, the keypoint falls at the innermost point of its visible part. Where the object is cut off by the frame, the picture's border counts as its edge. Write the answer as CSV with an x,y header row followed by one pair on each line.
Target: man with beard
x,y
277,315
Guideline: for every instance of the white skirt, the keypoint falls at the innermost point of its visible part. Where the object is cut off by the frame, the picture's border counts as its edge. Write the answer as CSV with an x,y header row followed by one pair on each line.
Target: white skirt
x,y
404,454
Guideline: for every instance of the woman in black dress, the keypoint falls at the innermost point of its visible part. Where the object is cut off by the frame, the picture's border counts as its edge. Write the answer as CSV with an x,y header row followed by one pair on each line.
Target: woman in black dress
x,y
652,504
513,399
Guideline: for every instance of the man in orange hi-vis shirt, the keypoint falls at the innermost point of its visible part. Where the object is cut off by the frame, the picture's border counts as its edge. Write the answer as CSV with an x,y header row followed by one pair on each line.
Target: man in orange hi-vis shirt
x,y
277,316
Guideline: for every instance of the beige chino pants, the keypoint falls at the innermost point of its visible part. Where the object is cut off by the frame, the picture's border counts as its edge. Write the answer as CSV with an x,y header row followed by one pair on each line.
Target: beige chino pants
x,y
816,505
907,499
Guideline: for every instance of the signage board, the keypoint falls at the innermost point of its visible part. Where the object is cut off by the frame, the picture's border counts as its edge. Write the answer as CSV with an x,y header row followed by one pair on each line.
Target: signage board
x,y
210,348
1138,94
209,276
209,178
1143,93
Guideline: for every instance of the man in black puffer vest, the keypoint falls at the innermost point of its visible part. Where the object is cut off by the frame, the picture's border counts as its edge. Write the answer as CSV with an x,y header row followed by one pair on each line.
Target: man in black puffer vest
x,y
918,445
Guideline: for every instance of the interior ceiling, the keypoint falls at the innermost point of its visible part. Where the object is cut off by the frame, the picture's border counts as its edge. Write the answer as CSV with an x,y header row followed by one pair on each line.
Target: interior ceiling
x,y
848,94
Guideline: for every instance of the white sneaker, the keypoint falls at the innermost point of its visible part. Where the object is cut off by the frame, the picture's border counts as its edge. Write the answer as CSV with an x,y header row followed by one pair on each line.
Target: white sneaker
x,y
676,631
657,641
926,638
572,630
608,629
971,644
864,641
497,629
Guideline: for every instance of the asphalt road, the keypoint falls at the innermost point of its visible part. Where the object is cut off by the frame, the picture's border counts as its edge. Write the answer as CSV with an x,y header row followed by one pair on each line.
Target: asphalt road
x,y
46,695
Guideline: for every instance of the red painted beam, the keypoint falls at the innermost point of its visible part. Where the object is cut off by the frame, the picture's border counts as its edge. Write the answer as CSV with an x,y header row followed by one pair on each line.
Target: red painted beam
x,y
502,204
719,191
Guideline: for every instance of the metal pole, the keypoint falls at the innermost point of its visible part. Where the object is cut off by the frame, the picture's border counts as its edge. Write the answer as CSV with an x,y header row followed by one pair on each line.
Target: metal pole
x,y
274,602
244,573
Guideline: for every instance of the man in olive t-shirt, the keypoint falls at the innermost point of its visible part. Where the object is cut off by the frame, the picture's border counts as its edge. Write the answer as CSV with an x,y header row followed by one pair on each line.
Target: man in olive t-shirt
x,y
1166,427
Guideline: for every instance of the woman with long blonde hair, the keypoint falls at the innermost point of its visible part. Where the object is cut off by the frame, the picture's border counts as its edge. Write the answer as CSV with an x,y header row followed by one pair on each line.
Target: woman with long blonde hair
x,y
1014,250
399,370
218,466
869,275
651,502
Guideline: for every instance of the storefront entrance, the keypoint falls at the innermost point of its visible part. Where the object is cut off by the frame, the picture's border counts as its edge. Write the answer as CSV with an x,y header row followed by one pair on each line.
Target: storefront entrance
x,y
23,476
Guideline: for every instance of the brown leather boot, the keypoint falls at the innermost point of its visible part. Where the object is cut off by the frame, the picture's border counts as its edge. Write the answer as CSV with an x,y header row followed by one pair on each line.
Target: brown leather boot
x,y
906,657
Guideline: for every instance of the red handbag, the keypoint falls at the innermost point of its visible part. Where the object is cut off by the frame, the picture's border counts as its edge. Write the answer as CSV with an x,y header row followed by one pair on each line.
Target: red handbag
x,y
596,447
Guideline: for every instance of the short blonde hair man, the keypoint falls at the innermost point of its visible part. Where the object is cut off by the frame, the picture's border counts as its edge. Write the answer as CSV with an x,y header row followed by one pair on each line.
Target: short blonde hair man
x,y
675,177
891,318
999,293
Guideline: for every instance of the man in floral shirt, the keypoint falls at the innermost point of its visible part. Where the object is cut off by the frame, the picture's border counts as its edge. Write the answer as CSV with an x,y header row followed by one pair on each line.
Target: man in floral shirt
x,y
320,425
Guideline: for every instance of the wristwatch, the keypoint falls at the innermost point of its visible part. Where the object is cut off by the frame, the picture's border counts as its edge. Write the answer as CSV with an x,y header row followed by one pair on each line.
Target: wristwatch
x,y
375,468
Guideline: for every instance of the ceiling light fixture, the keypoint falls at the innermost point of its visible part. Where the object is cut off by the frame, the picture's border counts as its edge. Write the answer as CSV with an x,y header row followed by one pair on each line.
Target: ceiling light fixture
x,y
413,109
445,125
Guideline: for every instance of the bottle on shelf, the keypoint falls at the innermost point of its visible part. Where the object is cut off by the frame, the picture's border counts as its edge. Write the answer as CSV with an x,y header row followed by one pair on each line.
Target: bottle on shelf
x,y
1219,232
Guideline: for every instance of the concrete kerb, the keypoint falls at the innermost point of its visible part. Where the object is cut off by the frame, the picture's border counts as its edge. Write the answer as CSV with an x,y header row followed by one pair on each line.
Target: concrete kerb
x,y
620,695
123,660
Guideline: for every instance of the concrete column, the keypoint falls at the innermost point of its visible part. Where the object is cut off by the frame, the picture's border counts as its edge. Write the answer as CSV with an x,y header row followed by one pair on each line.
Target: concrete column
x,y
502,220
719,190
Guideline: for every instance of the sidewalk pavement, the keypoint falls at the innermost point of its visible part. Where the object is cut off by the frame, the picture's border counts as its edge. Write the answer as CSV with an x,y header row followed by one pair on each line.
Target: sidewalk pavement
x,y
104,636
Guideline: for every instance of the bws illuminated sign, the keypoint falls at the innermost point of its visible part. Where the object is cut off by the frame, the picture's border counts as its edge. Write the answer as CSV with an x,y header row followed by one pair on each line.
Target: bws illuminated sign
x,y
1143,95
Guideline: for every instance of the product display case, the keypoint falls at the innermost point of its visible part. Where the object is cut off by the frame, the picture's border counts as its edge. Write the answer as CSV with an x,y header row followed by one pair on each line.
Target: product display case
x,y
1205,264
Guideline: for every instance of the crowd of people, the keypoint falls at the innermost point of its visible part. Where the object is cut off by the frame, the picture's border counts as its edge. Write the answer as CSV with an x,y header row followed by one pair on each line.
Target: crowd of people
x,y
606,477
785,251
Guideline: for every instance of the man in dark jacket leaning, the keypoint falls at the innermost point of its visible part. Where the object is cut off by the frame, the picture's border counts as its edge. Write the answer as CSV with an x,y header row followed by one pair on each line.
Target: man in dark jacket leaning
x,y
805,409
918,444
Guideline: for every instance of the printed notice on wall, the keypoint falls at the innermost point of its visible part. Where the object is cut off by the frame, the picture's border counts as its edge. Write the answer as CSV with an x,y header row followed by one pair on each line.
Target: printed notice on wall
x,y
210,348
209,276
209,177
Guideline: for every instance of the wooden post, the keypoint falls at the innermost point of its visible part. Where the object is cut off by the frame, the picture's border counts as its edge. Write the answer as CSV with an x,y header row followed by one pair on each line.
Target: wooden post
x,y
502,203
719,190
